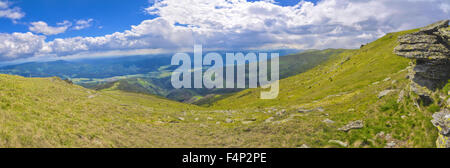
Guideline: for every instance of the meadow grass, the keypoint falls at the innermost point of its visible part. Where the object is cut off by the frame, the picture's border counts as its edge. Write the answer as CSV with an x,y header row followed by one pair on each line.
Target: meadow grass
x,y
49,112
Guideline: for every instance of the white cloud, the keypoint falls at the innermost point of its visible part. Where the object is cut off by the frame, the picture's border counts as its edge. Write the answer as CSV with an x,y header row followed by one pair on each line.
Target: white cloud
x,y
20,45
65,23
150,34
41,27
13,13
238,24
3,5
445,7
252,24
82,24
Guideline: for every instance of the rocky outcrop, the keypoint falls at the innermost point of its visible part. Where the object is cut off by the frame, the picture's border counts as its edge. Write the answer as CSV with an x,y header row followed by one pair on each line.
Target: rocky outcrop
x,y
429,47
441,120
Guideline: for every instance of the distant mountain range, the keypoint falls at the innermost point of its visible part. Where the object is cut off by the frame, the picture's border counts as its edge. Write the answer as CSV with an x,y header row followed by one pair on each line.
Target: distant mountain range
x,y
105,67
161,85
142,74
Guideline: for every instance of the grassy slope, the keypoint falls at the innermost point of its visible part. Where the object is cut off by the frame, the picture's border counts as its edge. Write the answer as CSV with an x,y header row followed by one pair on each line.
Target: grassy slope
x,y
290,65
347,87
295,64
47,112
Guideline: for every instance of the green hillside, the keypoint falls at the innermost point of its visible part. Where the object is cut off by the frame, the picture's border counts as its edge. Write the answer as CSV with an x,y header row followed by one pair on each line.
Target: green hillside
x,y
48,112
310,110
346,89
348,71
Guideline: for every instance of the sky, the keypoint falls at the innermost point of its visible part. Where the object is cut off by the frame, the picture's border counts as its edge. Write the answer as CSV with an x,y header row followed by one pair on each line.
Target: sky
x,y
42,29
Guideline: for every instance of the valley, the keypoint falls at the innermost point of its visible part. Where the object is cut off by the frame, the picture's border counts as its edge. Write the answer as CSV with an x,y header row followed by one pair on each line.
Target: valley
x,y
160,83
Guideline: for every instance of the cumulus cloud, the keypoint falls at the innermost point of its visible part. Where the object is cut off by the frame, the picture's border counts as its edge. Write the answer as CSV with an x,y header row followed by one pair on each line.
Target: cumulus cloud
x,y
41,27
329,23
83,24
13,13
150,34
20,45
239,24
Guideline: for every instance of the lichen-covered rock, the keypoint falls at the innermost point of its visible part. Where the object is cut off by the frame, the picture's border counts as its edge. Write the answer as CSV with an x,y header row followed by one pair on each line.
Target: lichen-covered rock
x,y
328,121
432,72
439,49
338,142
445,32
441,120
424,51
352,125
417,38
384,93
304,146
443,141
430,48
422,54
435,26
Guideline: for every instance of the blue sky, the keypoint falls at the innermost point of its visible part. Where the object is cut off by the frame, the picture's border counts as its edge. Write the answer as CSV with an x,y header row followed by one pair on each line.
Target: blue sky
x,y
109,15
40,29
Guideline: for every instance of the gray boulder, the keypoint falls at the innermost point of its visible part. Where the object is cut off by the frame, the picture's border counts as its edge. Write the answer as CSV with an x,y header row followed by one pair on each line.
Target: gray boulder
x,y
442,121
338,142
270,119
304,111
328,121
384,93
352,125
228,120
304,146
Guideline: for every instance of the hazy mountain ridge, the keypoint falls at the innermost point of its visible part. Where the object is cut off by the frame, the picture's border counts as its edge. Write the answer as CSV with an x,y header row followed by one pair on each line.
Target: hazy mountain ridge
x,y
289,65
89,68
